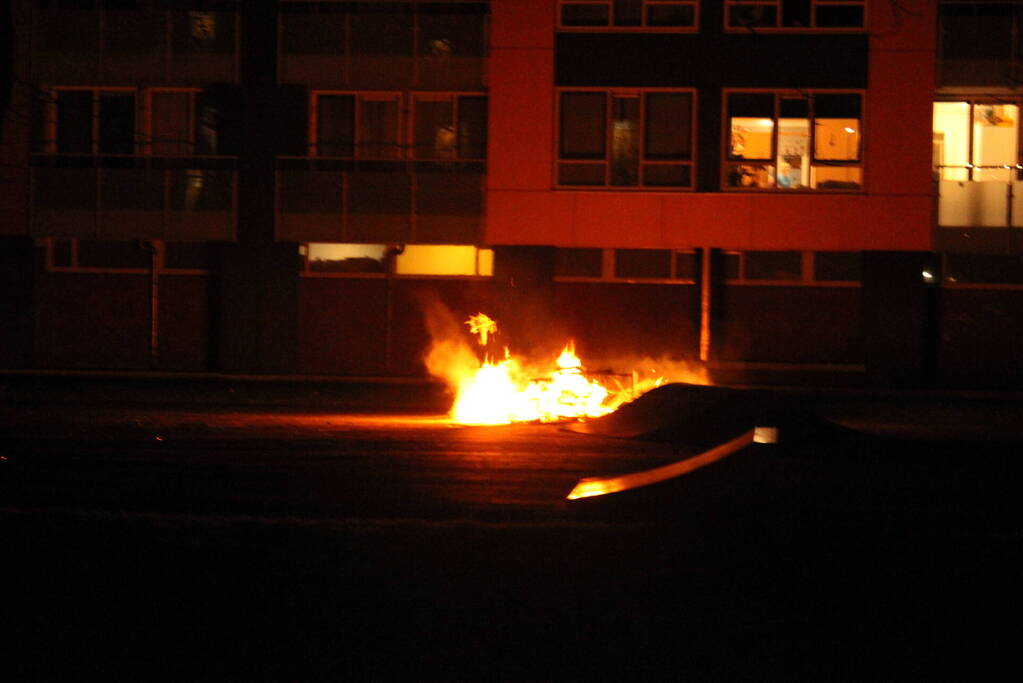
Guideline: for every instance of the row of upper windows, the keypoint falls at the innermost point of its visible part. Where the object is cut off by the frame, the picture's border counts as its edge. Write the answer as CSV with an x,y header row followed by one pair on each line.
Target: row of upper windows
x,y
181,122
739,15
644,139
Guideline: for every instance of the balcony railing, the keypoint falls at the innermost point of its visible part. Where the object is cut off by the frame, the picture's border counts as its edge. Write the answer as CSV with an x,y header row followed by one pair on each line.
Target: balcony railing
x,y
975,196
127,197
322,199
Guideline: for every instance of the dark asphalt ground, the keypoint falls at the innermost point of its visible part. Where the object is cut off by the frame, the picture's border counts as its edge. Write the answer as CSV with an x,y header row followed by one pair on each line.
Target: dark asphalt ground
x,y
161,530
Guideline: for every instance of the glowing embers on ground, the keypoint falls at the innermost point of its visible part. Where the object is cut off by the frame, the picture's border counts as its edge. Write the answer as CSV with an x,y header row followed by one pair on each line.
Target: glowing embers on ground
x,y
490,391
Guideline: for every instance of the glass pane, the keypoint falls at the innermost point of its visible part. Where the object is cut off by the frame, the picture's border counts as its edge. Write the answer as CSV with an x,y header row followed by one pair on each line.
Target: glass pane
x,y
796,13
452,30
995,131
171,115
116,123
61,251
434,129
584,15
668,126
317,29
140,31
752,16
773,265
104,254
951,141
472,127
643,263
335,125
760,176
382,29
840,16
188,255
667,175
670,15
628,12
578,262
378,129
730,265
437,259
836,177
346,258
624,141
837,127
685,265
793,153
751,138
581,173
74,122
582,125
836,266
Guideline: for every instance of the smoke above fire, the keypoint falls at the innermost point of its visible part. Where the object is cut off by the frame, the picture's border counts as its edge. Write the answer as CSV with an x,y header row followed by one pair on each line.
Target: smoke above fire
x,y
494,385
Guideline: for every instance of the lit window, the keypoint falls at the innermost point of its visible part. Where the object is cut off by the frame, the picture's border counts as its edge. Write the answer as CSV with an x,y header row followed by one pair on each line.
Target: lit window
x,y
793,141
450,126
444,259
632,14
359,125
641,138
346,258
788,15
976,140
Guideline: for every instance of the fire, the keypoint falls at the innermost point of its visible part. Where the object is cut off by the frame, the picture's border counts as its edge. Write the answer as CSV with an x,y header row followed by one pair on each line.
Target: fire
x,y
507,389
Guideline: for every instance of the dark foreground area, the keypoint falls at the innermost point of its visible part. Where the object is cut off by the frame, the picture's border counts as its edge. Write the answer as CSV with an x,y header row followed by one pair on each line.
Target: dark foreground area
x,y
168,543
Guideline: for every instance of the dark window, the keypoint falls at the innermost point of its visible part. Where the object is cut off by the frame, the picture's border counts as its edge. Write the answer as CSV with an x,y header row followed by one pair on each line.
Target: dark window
x,y
74,122
643,263
188,256
730,262
61,251
456,30
686,266
773,265
382,29
633,139
111,254
984,268
472,127
628,13
794,14
583,118
836,266
335,125
170,116
315,28
116,123
579,262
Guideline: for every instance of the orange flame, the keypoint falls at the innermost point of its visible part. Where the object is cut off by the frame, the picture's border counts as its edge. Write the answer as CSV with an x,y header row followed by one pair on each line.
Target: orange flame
x,y
490,391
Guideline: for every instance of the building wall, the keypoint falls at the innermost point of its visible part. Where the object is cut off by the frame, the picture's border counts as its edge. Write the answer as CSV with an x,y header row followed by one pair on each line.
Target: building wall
x,y
894,212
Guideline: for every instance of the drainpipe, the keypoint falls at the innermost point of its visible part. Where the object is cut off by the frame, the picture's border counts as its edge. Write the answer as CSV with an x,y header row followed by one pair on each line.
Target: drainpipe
x,y
154,304
390,263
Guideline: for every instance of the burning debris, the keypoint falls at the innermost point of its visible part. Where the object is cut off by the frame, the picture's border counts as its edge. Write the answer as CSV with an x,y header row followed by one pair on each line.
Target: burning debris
x,y
500,388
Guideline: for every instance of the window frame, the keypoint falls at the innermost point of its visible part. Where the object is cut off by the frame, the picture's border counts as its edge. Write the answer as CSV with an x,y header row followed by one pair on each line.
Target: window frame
x,y
148,121
390,264
727,160
609,94
452,96
49,244
642,27
779,28
51,119
608,268
807,272
359,96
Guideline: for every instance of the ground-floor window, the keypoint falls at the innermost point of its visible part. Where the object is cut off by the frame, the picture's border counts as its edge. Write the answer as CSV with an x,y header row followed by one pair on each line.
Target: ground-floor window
x,y
369,260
